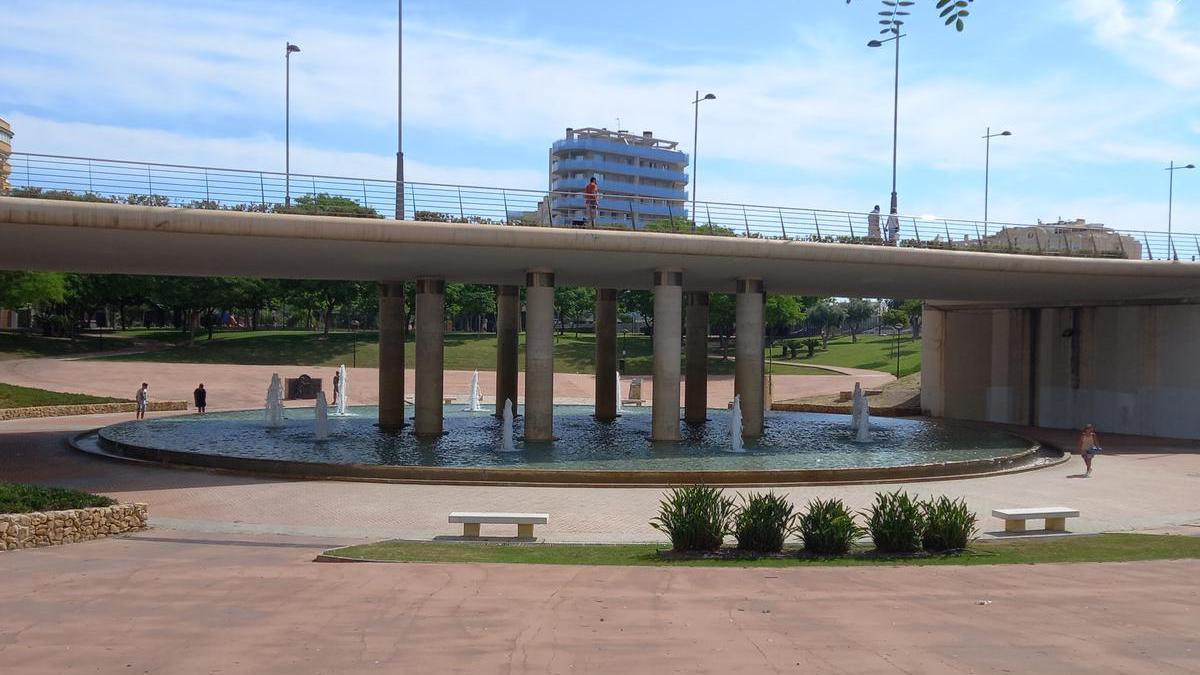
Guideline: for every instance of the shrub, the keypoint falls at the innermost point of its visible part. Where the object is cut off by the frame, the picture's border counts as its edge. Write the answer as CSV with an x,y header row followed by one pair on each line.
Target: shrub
x,y
949,524
828,528
763,522
21,498
695,517
895,522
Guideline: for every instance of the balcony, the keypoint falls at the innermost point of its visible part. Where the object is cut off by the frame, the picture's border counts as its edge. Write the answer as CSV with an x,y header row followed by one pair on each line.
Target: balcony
x,y
609,187
599,165
601,145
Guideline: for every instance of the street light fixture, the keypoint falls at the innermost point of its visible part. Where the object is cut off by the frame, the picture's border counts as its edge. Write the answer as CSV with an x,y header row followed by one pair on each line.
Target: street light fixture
x,y
695,137
892,25
287,123
1170,207
898,327
987,161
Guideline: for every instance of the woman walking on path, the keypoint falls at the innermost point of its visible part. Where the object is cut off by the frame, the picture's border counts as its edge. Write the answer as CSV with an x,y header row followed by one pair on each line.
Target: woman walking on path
x,y
1089,445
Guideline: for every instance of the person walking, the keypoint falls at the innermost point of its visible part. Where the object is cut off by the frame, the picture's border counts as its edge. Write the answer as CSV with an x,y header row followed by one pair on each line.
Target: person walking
x,y
142,399
591,199
200,398
873,224
893,229
1089,446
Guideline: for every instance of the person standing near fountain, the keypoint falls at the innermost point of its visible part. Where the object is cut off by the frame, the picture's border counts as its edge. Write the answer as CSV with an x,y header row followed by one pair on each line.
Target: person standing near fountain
x,y
1089,445
142,399
337,384
200,398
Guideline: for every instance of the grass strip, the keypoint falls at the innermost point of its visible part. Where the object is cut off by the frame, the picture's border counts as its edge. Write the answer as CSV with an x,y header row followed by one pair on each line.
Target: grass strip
x,y
1091,548
23,498
12,396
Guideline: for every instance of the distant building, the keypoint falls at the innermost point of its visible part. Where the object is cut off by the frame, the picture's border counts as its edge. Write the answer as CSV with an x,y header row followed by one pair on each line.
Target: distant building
x,y
1077,236
6,136
641,178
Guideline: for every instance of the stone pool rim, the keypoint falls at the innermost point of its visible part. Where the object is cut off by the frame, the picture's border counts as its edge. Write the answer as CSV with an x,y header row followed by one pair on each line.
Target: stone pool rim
x,y
1017,462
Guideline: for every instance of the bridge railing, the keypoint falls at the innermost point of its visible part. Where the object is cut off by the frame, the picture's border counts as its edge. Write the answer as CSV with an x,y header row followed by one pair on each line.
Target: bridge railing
x,y
41,175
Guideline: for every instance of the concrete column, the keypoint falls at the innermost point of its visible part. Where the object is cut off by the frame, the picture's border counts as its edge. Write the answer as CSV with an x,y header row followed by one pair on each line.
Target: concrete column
x,y
668,315
539,356
606,354
431,327
508,319
695,388
748,368
393,325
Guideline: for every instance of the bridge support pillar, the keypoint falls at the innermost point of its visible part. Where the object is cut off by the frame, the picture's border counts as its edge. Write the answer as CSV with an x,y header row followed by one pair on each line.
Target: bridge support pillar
x,y
393,325
748,368
508,319
668,315
695,401
539,356
606,354
431,327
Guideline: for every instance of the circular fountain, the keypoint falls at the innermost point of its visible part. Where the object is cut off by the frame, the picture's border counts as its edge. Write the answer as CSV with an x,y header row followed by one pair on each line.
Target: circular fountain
x,y
795,448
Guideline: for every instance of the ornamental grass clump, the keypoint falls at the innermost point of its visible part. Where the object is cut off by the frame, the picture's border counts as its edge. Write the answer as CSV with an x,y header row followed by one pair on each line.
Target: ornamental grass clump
x,y
695,517
949,524
827,528
763,522
896,522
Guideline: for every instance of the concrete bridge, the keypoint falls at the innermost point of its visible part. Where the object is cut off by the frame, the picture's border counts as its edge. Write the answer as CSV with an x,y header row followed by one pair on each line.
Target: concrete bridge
x,y
1050,341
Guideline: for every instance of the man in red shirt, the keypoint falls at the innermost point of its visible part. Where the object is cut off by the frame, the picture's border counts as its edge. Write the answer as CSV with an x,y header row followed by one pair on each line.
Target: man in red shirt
x,y
591,199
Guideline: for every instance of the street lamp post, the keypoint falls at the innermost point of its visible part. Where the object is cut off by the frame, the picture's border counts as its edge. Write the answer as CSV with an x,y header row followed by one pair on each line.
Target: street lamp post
x,y
399,110
695,138
1171,205
987,161
895,113
354,347
898,327
287,123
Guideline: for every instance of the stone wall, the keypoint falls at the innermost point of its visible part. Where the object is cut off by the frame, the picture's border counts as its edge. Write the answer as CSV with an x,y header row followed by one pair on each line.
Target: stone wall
x,y
86,409
31,530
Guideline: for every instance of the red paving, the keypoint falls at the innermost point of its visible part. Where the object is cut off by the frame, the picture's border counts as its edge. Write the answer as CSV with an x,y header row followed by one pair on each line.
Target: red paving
x,y
173,602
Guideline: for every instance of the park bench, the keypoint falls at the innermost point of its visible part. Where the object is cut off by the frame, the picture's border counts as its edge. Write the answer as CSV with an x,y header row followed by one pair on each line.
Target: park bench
x,y
1055,517
635,393
471,520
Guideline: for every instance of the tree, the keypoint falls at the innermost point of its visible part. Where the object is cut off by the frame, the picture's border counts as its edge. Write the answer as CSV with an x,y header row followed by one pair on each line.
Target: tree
x,y
572,304
325,204
18,289
638,302
858,312
951,11
469,304
722,319
913,309
826,317
811,344
684,226
783,312
325,296
894,317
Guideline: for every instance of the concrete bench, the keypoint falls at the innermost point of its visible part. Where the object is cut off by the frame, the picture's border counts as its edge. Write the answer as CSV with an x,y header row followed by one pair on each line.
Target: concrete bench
x,y
1055,517
471,520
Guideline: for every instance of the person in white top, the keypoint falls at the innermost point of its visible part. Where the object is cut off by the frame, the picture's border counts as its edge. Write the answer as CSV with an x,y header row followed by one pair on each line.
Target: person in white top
x,y
142,398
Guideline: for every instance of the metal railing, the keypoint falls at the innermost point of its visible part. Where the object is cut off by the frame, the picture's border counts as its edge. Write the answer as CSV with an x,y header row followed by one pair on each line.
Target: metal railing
x,y
40,175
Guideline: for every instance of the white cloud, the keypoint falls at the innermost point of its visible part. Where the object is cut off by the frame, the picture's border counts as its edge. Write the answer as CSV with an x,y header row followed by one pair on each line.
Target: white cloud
x,y
1151,36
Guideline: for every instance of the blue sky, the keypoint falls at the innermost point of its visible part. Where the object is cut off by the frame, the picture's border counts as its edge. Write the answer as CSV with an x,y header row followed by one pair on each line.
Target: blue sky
x,y
1099,94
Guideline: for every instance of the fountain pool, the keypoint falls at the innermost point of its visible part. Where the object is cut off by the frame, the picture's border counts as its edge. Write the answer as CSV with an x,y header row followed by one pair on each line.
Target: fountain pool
x,y
795,447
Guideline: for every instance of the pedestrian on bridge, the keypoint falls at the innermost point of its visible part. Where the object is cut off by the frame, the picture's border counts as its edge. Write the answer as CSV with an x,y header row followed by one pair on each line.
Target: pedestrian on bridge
x,y
893,229
873,224
591,198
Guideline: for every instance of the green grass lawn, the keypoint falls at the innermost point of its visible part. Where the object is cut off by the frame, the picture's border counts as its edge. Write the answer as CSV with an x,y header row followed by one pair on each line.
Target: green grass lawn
x,y
22,498
464,351
873,352
12,396
1095,548
15,345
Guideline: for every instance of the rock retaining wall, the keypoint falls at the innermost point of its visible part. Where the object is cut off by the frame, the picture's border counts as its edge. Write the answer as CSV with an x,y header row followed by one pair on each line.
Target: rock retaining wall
x,y
86,409
31,530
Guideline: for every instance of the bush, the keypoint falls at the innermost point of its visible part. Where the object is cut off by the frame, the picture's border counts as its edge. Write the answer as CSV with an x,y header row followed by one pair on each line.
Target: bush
x,y
696,517
763,522
21,498
828,528
895,522
949,524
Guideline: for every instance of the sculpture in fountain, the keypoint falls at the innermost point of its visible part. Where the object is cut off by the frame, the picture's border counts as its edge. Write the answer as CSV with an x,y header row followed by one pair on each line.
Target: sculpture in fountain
x,y
274,407
735,425
474,396
506,434
321,416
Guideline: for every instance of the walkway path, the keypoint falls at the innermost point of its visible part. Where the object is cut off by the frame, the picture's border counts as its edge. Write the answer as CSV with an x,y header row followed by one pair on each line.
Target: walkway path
x,y
239,386
170,602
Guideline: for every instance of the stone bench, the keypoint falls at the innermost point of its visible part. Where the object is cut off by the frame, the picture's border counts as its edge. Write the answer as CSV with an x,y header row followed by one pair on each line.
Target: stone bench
x,y
1055,517
471,520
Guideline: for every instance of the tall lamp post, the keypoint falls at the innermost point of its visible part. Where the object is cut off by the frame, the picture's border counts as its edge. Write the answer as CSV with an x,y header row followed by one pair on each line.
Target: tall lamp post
x,y
695,138
287,123
892,25
987,161
1171,205
399,110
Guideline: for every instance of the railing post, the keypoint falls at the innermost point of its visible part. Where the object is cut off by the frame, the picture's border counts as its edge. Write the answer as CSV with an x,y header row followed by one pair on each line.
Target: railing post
x,y
849,221
91,188
1149,250
314,184
28,182
461,214
1171,254
670,213
633,218
149,181
782,227
817,223
708,217
1197,241
364,187
262,191
1095,248
977,237
1037,239
1008,236
207,193
746,220
916,232
949,239
504,196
